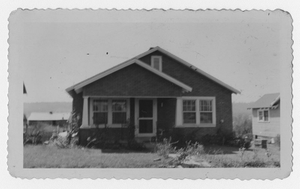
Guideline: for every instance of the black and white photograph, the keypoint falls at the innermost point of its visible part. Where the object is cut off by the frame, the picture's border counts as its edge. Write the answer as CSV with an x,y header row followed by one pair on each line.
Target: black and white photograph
x,y
179,91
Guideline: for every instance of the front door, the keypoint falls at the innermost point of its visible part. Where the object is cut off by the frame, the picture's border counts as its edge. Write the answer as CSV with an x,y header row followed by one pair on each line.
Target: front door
x,y
146,117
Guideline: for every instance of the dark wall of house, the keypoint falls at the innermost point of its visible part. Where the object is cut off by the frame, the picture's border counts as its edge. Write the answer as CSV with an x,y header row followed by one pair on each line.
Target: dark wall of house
x,y
133,80
166,112
104,135
77,105
167,116
202,86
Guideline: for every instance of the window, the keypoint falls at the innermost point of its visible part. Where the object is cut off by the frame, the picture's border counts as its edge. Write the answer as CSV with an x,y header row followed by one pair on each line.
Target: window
x,y
206,111
156,62
118,111
109,111
263,115
196,111
100,109
189,111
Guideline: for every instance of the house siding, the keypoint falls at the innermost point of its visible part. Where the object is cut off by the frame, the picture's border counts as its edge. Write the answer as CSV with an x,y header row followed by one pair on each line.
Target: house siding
x,y
202,86
136,81
132,81
77,105
106,135
266,129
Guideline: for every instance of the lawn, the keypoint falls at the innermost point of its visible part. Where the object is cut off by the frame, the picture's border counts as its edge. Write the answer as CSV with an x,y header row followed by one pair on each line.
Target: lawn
x,y
42,156
232,157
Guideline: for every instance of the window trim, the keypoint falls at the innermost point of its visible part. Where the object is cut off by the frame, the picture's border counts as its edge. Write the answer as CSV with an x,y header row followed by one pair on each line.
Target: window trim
x,y
160,62
263,120
109,113
195,111
179,112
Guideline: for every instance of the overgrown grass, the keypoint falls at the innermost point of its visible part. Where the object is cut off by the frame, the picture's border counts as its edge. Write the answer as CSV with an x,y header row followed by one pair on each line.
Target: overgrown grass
x,y
41,156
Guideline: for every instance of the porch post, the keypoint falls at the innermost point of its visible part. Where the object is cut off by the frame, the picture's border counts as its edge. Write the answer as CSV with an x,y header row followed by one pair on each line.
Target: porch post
x,y
85,122
178,111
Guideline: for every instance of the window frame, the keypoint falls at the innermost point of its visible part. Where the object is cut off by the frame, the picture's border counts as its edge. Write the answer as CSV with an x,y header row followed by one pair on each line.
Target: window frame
x,y
189,111
206,111
263,115
109,112
180,120
113,111
160,62
93,111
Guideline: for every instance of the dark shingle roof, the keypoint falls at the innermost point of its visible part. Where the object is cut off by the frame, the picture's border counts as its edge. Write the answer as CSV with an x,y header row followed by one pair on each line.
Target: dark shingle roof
x,y
266,101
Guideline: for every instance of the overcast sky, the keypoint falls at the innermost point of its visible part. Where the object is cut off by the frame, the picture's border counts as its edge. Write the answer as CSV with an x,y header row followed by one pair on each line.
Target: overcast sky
x,y
57,49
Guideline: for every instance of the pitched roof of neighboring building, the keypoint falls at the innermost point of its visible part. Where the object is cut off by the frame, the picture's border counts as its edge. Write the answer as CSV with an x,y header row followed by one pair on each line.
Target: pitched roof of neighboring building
x,y
24,89
267,101
78,87
48,116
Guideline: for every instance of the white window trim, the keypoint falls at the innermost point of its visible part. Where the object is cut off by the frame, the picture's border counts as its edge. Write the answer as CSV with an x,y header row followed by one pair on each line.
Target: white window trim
x,y
179,112
160,62
109,119
263,121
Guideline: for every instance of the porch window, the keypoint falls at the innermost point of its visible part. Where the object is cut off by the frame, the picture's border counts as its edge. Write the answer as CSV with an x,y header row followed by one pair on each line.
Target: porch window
x,y
156,62
263,115
119,111
196,112
110,112
100,111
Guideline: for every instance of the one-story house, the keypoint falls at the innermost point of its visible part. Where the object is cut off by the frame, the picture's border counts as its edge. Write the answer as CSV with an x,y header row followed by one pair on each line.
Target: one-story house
x,y
154,94
50,118
266,117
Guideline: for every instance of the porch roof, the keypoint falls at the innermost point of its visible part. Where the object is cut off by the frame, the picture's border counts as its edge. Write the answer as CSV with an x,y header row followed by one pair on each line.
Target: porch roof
x,y
78,87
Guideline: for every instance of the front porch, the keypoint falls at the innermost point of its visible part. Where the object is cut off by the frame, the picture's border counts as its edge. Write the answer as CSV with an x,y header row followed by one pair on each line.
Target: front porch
x,y
119,119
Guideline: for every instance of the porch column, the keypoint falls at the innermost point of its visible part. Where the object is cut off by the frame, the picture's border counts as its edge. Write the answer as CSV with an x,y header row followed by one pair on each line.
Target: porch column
x,y
85,121
179,111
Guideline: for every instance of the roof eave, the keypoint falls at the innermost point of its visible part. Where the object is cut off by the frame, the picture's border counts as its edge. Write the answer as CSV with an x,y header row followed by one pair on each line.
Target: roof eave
x,y
196,69
79,87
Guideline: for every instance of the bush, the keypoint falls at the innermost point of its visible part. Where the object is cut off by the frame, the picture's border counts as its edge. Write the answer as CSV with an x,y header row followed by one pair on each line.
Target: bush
x,y
164,148
242,125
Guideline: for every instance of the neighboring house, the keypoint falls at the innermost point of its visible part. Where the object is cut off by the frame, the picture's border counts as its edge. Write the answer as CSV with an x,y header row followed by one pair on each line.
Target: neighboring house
x,y
50,118
155,93
266,116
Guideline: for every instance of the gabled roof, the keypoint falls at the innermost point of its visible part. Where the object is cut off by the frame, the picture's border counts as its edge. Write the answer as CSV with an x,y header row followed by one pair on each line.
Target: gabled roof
x,y
78,87
48,116
267,101
24,89
151,50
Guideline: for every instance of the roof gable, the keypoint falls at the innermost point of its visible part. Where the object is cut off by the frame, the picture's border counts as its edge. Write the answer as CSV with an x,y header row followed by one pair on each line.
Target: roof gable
x,y
78,87
267,101
192,67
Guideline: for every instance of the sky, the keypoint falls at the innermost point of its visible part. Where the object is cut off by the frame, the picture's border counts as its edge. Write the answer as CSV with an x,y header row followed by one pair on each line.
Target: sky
x,y
57,49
